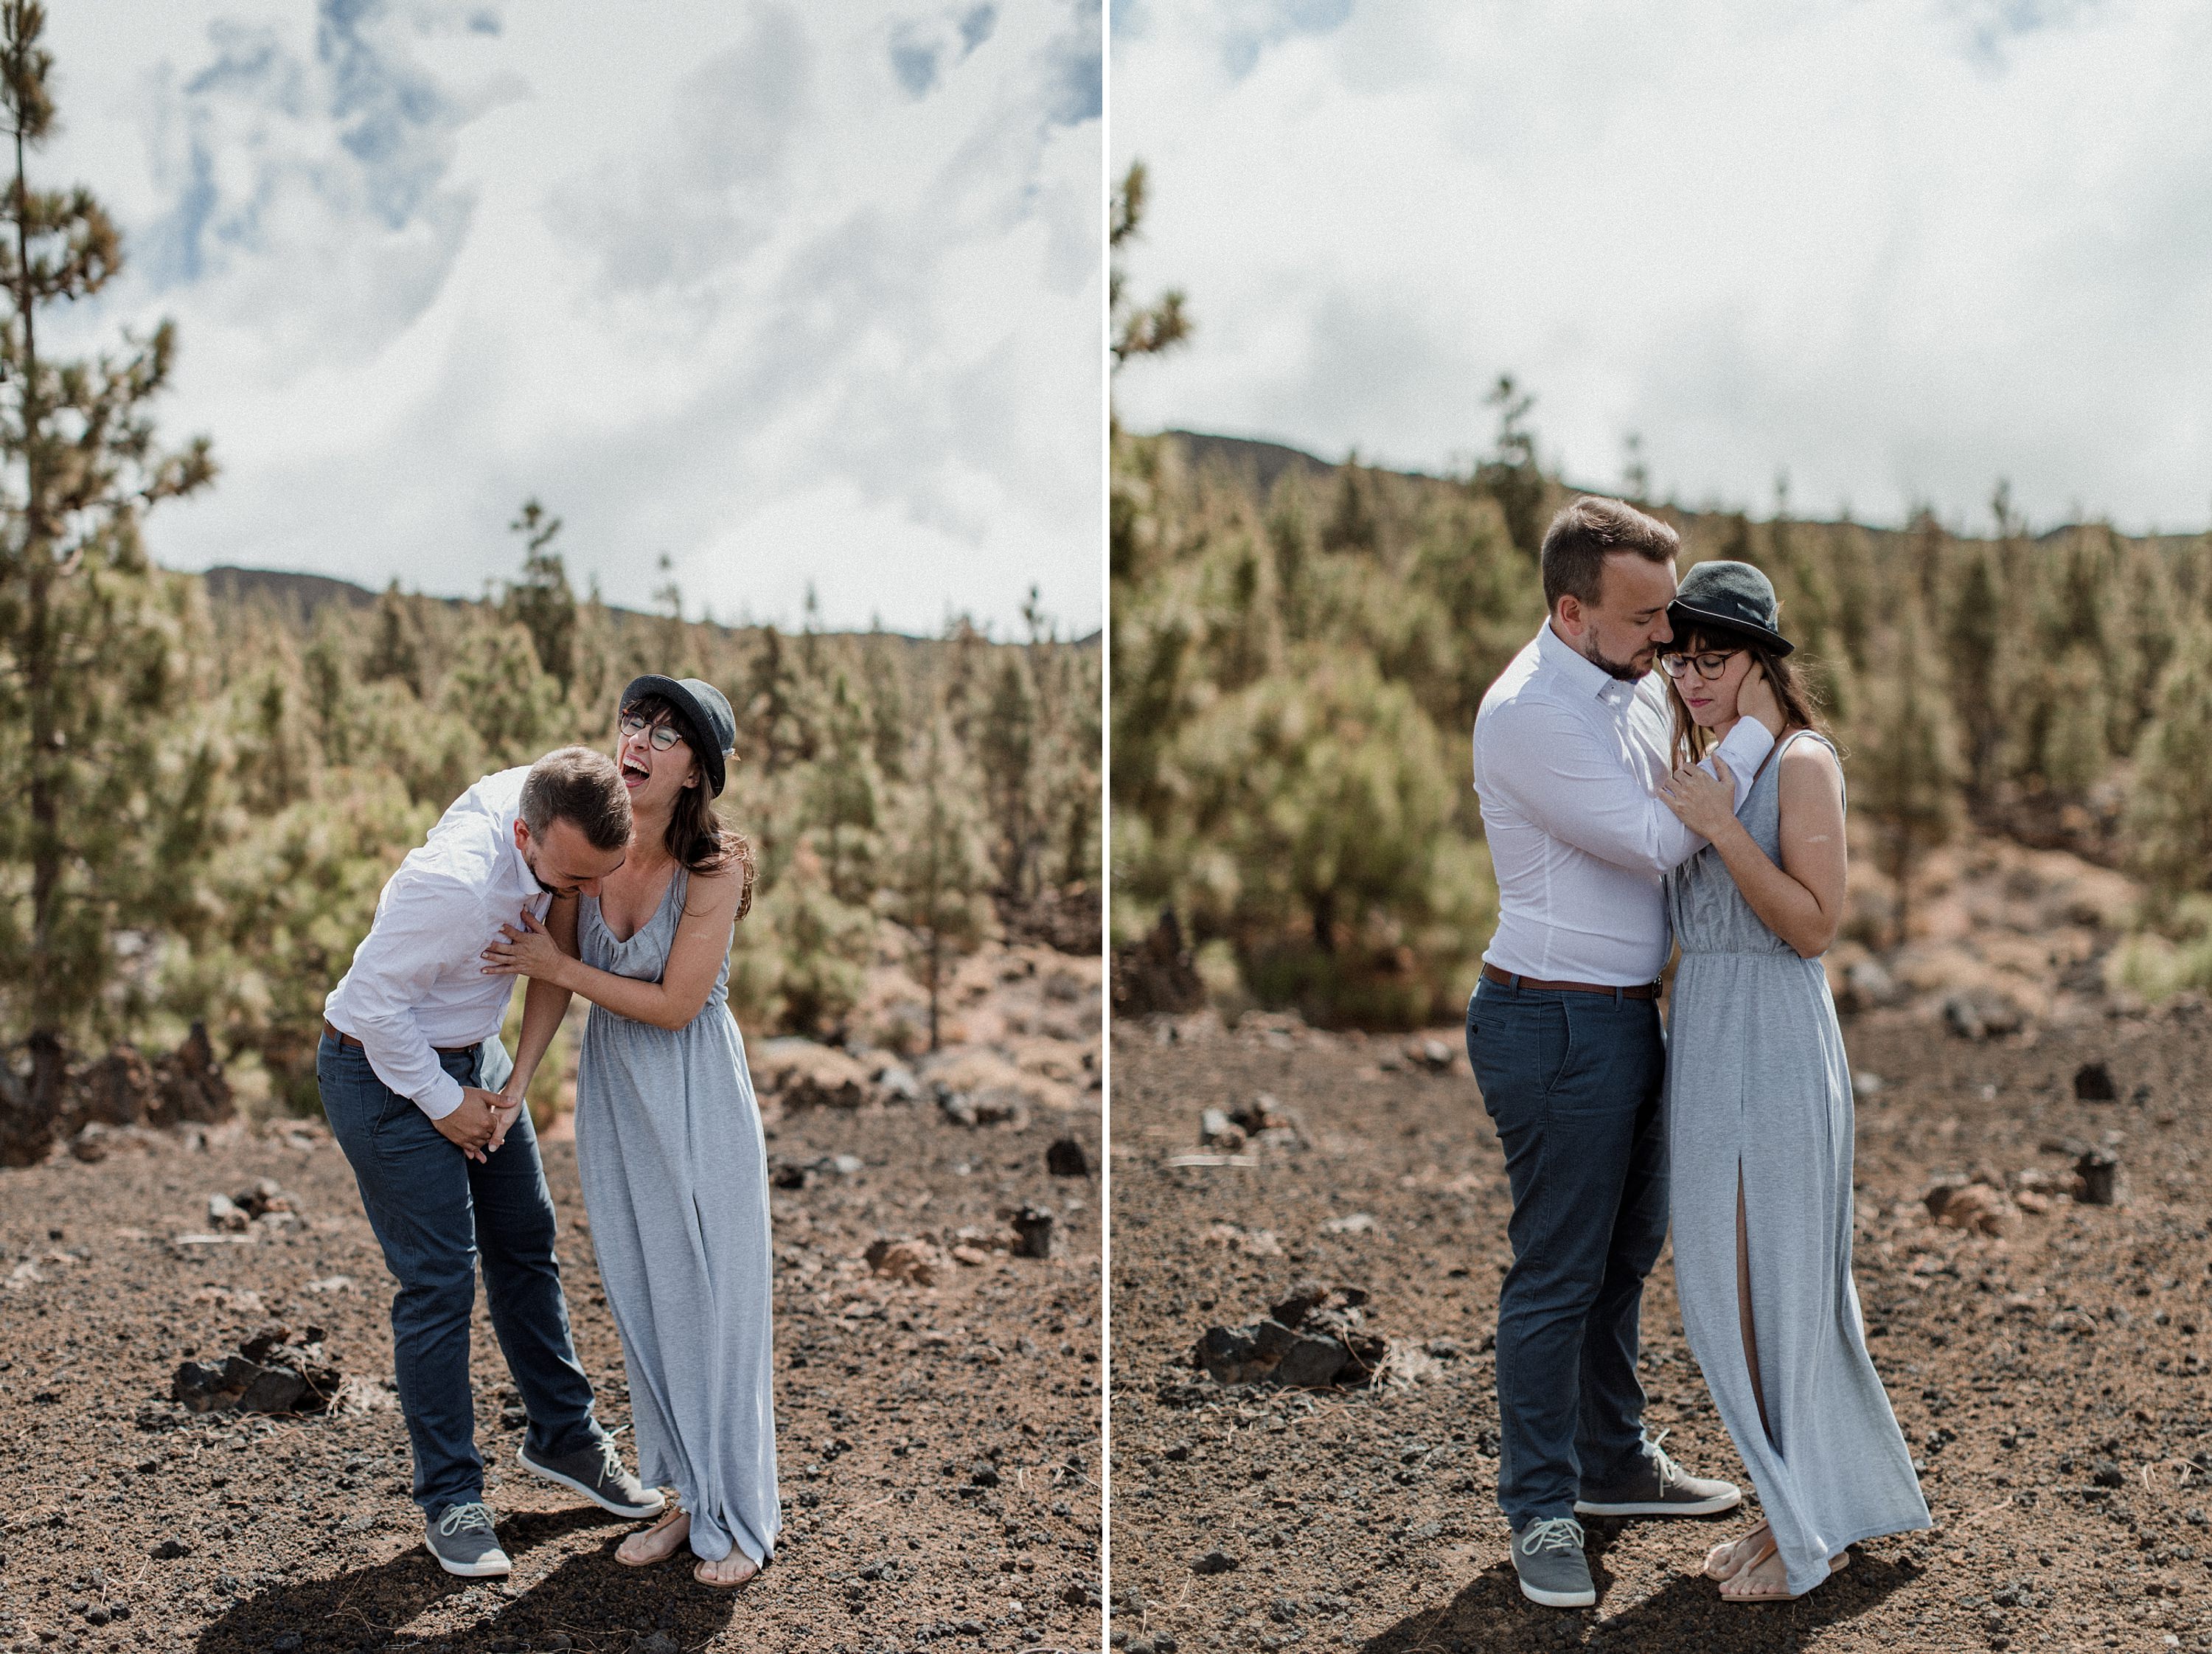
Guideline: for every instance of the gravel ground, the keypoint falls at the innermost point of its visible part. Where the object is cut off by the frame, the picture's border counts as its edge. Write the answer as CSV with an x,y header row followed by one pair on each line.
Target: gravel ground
x,y
2051,1382
937,1444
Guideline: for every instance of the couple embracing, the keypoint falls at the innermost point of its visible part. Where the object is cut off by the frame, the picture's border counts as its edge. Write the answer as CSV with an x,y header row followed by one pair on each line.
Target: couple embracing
x,y
1625,812
610,877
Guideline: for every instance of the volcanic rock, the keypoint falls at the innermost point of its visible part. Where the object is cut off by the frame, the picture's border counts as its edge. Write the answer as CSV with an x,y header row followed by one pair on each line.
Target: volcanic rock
x,y
2098,1176
2092,1083
1976,1208
1313,1339
1036,1232
1981,1016
1433,1055
905,1260
802,1074
1217,1130
1000,1105
273,1372
1065,1159
225,1215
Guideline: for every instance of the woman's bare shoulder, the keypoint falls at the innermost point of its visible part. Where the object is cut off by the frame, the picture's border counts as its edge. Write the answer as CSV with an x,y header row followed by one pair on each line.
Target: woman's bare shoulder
x,y
715,893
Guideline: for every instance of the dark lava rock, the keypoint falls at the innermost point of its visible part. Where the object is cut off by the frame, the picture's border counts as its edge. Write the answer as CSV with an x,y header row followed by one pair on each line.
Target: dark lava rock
x,y
170,1550
1311,1340
2100,1173
1213,1562
1065,1159
2106,1473
272,1372
2092,1083
1980,1016
1036,1232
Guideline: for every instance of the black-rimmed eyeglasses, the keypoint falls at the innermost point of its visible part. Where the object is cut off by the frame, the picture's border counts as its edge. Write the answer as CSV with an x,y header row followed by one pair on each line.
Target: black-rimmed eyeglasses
x,y
664,734
1709,664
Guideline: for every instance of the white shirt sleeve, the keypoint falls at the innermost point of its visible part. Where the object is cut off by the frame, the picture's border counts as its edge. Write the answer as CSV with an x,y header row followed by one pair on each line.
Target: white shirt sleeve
x,y
421,922
1555,769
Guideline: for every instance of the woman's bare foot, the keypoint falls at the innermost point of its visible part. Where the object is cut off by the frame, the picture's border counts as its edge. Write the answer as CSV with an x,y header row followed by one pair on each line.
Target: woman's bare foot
x,y
1729,1558
732,1570
659,1542
1767,1578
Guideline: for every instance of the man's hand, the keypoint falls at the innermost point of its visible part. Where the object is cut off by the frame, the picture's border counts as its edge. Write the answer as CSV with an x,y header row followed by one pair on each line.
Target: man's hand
x,y
1757,699
474,1126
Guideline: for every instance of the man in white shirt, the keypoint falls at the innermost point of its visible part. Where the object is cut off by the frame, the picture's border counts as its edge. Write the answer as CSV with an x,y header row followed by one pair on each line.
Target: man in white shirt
x,y
1563,1034
409,1064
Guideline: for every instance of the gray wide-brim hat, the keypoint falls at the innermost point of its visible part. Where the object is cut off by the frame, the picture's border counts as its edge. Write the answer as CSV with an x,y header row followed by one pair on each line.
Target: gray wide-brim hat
x,y
1734,595
704,714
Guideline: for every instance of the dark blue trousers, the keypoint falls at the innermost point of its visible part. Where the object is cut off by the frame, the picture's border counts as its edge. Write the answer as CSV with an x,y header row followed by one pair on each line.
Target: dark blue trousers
x,y
1572,1081
437,1213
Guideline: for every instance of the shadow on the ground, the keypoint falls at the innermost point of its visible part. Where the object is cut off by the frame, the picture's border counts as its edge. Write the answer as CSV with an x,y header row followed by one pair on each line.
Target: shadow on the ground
x,y
596,1601
1489,1615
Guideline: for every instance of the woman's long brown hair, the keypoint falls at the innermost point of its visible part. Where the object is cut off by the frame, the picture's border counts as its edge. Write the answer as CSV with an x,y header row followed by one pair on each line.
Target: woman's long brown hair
x,y
696,837
1800,711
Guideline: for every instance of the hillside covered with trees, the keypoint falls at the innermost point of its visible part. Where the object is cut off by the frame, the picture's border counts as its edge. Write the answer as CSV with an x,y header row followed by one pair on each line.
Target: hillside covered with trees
x,y
1299,648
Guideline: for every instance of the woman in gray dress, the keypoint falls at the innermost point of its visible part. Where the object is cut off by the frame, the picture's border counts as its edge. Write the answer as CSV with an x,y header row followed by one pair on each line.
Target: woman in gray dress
x,y
668,1134
1758,1110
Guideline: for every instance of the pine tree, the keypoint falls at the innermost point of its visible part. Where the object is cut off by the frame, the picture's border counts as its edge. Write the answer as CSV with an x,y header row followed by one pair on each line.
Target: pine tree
x,y
2170,811
1511,476
1138,329
1971,636
843,798
942,869
98,831
1007,750
1904,769
541,602
395,643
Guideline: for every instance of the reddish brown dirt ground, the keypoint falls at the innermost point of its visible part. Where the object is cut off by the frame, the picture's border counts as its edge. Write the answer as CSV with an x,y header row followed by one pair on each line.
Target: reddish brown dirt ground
x,y
2053,1384
938,1444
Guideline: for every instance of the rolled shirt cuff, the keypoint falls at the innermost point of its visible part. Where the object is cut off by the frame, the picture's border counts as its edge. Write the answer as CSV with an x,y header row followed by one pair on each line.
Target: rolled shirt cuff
x,y
442,1098
1745,748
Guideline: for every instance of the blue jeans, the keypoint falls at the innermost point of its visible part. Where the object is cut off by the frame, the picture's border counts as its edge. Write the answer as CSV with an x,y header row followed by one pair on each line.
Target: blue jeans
x,y
1572,1081
435,1212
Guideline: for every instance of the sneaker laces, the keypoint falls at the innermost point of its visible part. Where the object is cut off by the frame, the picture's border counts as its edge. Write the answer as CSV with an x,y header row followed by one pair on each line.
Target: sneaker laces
x,y
611,1464
1670,1472
465,1519
1551,1534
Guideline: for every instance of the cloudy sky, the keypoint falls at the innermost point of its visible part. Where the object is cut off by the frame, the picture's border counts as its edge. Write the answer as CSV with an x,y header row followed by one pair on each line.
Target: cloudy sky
x,y
787,292
1897,248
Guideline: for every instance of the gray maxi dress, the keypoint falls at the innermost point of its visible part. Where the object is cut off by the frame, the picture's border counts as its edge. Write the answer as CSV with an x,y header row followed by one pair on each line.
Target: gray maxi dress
x,y
1756,1079
675,1175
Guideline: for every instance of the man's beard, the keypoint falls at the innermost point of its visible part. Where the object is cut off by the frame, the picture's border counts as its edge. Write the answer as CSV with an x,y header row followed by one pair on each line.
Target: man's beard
x,y
1620,669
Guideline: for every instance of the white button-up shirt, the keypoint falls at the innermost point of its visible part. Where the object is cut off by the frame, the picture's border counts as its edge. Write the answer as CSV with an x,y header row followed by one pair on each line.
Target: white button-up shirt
x,y
417,983
1568,760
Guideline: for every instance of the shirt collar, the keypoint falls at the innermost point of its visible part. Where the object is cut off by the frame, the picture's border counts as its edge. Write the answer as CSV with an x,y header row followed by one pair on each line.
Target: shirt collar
x,y
1582,675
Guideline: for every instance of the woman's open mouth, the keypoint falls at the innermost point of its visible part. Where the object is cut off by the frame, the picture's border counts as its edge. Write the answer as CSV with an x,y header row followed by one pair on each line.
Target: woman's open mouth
x,y
635,775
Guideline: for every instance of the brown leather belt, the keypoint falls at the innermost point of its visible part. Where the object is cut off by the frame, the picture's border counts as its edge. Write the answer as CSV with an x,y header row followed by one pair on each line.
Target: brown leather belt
x,y
1491,973
344,1038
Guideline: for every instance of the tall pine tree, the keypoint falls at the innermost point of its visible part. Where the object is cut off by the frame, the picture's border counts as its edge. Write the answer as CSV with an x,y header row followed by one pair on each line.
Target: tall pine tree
x,y
103,823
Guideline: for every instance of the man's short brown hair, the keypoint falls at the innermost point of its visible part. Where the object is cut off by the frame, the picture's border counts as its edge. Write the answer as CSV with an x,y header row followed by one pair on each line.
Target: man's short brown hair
x,y
1588,530
581,786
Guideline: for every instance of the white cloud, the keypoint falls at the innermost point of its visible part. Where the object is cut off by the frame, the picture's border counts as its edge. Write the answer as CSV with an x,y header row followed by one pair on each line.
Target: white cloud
x,y
736,283
1896,249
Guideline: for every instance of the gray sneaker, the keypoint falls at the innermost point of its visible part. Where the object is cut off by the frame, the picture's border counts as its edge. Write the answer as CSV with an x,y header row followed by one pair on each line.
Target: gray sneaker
x,y
1659,1486
1547,1554
463,1542
597,1473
